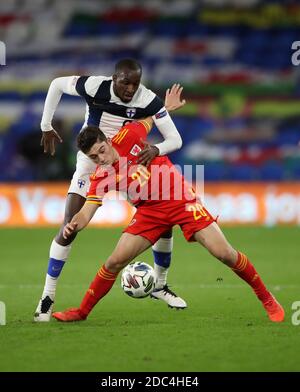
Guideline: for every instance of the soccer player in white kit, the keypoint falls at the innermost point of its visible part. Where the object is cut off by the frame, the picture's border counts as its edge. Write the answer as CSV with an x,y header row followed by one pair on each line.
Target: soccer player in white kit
x,y
111,102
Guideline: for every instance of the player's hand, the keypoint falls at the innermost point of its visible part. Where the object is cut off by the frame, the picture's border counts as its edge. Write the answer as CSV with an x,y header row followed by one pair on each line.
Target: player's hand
x,y
69,229
48,141
147,154
173,99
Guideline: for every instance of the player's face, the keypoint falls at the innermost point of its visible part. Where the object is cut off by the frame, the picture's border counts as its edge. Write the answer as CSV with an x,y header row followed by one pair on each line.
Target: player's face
x,y
102,153
125,84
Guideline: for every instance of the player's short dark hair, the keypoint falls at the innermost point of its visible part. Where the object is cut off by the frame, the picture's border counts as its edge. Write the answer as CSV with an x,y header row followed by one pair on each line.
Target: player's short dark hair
x,y
130,64
88,137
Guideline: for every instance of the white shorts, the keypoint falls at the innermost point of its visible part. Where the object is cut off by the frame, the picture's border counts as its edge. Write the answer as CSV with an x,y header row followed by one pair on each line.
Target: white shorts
x,y
81,178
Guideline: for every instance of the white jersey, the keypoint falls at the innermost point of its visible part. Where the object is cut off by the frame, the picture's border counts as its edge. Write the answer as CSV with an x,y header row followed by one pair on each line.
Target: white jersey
x,y
106,111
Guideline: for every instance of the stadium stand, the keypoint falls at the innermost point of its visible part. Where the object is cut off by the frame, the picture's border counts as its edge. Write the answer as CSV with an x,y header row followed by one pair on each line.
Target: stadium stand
x,y
242,116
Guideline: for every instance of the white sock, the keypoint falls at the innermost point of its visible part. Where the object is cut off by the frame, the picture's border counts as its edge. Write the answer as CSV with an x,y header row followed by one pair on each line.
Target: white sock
x,y
163,249
160,276
60,254
50,287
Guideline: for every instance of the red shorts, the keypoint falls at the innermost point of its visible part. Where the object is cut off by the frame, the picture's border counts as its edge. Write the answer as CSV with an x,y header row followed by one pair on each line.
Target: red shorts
x,y
152,220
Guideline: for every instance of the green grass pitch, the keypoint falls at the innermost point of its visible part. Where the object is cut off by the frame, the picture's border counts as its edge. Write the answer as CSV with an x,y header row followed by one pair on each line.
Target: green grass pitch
x,y
224,328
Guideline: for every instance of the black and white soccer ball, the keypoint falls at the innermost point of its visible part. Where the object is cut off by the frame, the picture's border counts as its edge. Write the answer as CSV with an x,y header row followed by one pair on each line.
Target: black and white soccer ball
x,y
138,279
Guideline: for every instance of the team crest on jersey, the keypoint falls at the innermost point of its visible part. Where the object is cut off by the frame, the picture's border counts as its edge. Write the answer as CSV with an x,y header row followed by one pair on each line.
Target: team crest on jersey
x,y
81,183
135,150
130,112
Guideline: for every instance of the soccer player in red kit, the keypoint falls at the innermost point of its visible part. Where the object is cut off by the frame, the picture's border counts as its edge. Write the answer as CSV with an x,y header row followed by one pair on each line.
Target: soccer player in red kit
x,y
159,208
111,102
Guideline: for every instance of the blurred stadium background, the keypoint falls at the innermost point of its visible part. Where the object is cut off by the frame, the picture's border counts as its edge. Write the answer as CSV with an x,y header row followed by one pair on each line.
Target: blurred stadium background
x,y
233,58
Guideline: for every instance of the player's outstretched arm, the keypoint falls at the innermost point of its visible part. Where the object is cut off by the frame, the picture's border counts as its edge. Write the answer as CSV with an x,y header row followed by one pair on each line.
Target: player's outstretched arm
x,y
57,87
80,220
173,102
166,127
173,99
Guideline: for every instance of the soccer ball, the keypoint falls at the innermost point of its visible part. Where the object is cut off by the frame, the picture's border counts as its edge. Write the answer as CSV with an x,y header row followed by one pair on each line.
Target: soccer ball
x,y
137,279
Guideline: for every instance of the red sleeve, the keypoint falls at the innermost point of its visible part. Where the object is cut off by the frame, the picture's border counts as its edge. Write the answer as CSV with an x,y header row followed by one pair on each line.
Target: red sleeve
x,y
92,196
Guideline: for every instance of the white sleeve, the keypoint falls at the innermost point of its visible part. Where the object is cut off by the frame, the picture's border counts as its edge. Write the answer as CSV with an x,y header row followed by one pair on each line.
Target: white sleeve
x,y
57,87
168,129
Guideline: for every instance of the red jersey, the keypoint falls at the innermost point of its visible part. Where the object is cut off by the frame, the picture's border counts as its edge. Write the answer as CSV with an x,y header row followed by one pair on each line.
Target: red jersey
x,y
157,182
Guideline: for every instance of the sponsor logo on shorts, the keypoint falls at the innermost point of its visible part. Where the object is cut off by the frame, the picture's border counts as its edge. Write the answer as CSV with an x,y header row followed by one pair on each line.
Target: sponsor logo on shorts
x,y
135,150
81,183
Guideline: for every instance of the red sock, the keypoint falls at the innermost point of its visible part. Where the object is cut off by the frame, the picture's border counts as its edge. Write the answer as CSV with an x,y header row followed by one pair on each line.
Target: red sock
x,y
99,287
245,270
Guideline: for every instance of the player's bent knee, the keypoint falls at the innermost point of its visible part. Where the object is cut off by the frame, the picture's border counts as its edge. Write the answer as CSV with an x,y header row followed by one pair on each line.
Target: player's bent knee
x,y
226,254
115,263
